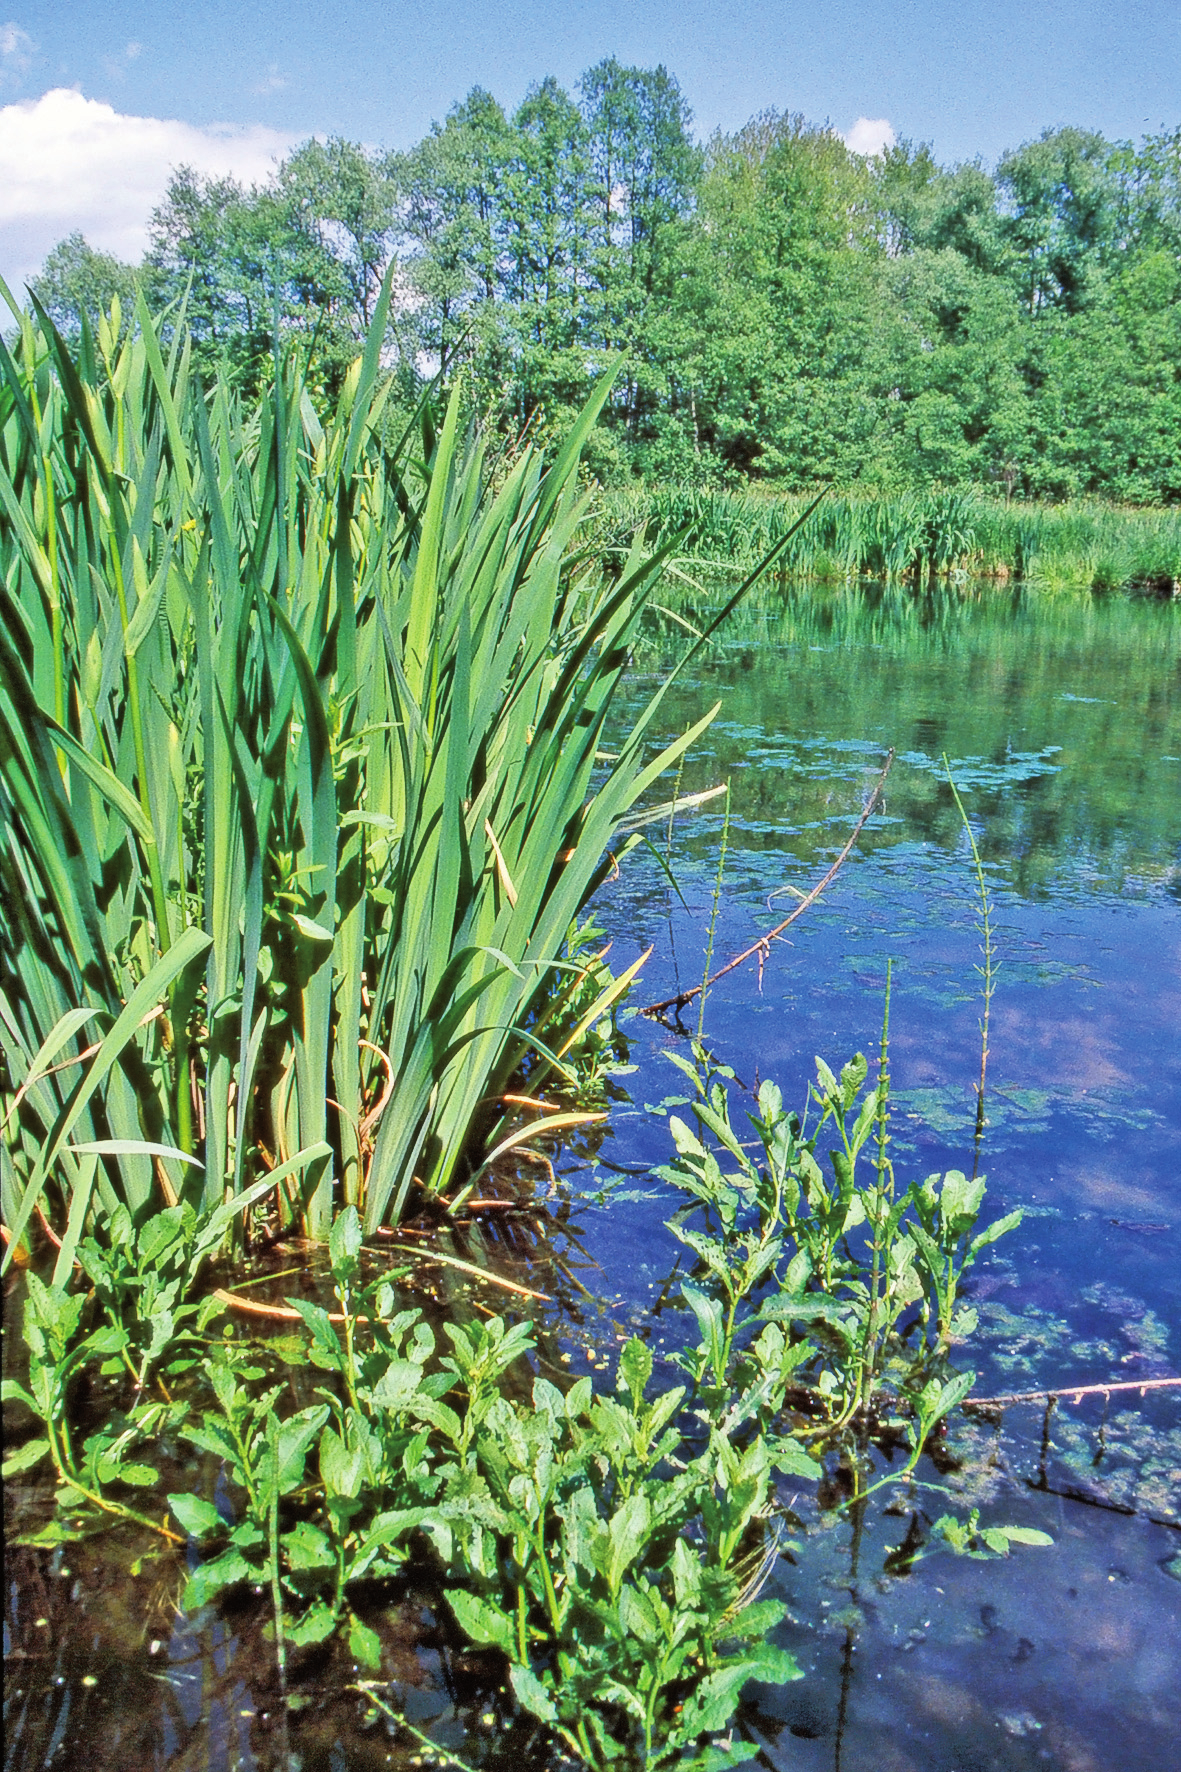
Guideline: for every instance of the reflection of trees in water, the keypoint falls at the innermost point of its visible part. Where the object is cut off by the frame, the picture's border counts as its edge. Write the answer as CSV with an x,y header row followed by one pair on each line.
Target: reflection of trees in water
x,y
817,682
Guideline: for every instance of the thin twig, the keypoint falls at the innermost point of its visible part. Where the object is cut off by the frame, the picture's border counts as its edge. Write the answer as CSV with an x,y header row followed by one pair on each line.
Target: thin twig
x,y
481,1273
713,917
761,946
52,1070
1068,1391
374,1115
278,1313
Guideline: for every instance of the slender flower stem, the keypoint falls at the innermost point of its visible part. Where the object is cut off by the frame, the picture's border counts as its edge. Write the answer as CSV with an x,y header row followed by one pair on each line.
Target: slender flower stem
x,y
987,972
713,916
273,1555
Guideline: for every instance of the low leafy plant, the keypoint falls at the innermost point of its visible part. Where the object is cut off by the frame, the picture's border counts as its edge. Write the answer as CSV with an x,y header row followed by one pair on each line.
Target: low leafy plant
x,y
611,1545
145,1276
968,1538
624,1591
590,1013
965,1538
837,1265
366,1445
59,1348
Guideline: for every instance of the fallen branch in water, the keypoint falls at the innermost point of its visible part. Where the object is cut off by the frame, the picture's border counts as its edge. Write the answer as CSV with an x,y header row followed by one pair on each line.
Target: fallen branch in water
x,y
1070,1392
763,945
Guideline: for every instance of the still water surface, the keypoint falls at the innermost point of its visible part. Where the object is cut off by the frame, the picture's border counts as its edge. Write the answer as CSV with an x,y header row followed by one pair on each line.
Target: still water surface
x,y
1062,724
1062,727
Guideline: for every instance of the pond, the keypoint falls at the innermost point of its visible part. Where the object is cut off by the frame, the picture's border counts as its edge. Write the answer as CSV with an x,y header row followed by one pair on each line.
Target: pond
x,y
1061,723
1062,727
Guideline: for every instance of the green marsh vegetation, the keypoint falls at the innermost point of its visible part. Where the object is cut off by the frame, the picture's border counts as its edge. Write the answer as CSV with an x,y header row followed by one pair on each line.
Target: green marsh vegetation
x,y
304,793
611,1547
299,735
917,537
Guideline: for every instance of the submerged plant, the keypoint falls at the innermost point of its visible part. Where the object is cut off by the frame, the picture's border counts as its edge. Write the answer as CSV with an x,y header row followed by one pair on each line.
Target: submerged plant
x,y
832,1266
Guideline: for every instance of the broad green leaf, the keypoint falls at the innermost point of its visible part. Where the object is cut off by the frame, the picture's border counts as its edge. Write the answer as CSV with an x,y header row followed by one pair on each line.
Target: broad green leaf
x,y
195,1516
143,1476
482,1621
999,1228
210,1579
627,1535
307,1547
316,1626
531,1695
853,1075
296,1435
25,1457
344,1243
635,1369
830,1089
789,1457
364,1643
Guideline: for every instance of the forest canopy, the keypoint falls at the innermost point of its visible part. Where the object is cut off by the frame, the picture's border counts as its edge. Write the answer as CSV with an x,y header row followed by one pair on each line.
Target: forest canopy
x,y
782,309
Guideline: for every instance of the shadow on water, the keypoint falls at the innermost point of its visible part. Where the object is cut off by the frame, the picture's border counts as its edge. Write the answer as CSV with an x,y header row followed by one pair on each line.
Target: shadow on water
x,y
1062,722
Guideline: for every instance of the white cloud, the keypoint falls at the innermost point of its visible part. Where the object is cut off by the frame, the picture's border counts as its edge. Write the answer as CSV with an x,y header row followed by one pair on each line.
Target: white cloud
x,y
71,162
16,52
116,65
271,81
869,136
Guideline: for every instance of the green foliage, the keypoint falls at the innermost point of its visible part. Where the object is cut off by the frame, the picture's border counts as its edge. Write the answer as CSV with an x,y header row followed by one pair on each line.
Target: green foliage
x,y
76,282
777,1246
611,1546
59,1347
144,1277
969,1538
622,1622
299,736
784,309
913,536
587,1034
623,1595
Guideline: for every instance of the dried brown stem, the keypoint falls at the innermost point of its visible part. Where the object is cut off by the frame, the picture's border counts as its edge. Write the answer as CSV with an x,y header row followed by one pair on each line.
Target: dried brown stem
x,y
1071,1392
277,1313
762,946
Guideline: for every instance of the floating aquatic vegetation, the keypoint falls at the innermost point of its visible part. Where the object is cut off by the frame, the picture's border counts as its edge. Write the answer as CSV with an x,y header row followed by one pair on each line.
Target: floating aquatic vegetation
x,y
982,772
1020,1341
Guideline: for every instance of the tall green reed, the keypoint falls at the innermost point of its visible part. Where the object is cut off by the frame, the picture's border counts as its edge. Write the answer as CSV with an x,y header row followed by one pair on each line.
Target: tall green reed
x,y
1079,546
302,781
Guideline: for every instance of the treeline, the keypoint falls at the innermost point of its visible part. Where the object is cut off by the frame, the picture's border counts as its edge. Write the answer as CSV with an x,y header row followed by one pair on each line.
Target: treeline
x,y
782,309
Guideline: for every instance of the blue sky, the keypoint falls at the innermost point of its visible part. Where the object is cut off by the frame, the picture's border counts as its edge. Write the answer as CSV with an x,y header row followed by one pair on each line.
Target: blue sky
x,y
972,79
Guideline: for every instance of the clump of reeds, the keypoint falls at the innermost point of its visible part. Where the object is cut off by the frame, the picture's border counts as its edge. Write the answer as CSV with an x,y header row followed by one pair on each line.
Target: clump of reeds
x,y
300,779
1084,545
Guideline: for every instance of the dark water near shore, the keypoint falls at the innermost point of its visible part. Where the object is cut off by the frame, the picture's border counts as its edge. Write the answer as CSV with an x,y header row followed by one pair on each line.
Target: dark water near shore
x,y
1062,723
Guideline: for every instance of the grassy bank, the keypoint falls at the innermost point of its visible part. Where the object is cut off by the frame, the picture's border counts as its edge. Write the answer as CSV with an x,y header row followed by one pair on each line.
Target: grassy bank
x,y
1070,547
